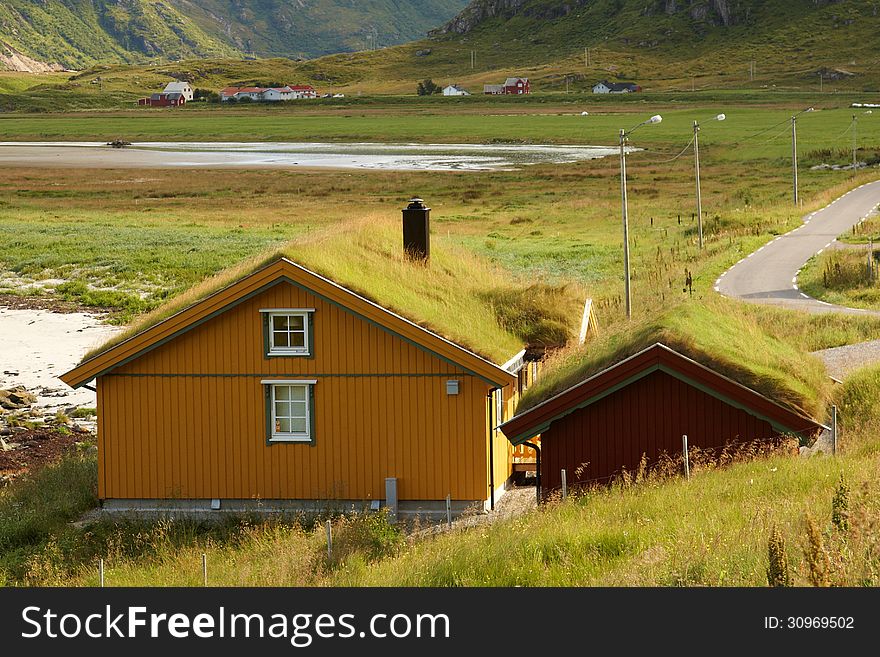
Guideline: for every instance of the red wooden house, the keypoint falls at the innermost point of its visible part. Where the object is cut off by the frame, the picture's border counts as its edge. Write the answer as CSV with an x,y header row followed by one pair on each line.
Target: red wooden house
x,y
517,86
643,406
173,99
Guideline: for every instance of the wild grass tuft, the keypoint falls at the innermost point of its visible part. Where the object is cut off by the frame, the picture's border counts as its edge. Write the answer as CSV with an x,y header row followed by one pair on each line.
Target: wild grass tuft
x,y
777,571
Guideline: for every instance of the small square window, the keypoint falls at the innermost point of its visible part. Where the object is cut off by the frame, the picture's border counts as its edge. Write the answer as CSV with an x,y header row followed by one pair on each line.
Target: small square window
x,y
288,332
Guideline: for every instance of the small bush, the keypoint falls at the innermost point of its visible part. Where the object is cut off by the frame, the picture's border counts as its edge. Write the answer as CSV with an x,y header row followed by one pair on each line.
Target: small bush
x,y
368,535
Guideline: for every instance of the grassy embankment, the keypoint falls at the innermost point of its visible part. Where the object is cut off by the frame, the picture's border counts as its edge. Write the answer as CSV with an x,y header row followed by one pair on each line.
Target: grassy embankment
x,y
710,530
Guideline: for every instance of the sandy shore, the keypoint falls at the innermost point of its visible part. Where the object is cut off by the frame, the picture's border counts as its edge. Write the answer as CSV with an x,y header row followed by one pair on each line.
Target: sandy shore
x,y
37,345
320,156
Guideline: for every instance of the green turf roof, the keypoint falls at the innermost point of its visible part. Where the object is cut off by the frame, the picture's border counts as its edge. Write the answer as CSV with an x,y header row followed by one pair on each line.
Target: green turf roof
x,y
458,295
712,333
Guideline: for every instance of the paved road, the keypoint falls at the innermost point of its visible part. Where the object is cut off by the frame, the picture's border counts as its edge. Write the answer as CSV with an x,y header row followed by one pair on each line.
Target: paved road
x,y
769,275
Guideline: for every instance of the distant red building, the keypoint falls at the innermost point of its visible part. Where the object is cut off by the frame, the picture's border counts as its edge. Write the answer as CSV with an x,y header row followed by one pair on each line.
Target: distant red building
x,y
173,99
517,86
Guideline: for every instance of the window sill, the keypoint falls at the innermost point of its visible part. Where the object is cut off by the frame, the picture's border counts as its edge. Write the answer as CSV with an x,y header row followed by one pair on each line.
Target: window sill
x,y
288,353
289,439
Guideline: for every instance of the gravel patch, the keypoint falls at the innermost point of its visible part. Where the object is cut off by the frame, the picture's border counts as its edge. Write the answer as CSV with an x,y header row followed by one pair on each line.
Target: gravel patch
x,y
843,361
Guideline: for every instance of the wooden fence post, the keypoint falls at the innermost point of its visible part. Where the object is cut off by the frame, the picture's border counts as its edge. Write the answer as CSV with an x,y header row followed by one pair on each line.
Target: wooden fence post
x,y
564,485
329,540
684,450
101,571
449,510
834,429
205,569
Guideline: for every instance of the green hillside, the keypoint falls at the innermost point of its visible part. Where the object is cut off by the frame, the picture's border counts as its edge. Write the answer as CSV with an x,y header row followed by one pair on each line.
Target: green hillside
x,y
287,28
79,33
665,45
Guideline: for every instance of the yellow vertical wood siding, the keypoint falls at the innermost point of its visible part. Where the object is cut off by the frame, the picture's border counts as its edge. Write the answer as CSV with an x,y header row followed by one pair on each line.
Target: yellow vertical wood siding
x,y
187,419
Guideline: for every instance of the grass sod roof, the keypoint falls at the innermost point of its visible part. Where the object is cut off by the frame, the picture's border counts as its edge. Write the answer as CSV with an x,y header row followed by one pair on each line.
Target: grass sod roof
x,y
458,295
713,334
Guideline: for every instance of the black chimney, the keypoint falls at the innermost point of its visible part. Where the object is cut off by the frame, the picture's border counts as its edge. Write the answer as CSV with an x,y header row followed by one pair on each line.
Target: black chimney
x,y
417,230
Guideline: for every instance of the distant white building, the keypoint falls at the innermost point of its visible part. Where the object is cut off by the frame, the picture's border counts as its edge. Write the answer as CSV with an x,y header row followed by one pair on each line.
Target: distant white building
x,y
180,88
273,94
606,87
269,94
455,90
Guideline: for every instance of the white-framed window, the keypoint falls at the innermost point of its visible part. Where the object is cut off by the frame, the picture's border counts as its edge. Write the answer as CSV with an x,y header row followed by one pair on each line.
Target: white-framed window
x,y
499,407
290,411
288,331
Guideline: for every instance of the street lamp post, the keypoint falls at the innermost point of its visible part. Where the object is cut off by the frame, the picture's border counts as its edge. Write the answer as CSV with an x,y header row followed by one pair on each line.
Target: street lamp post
x,y
719,117
624,134
855,148
794,163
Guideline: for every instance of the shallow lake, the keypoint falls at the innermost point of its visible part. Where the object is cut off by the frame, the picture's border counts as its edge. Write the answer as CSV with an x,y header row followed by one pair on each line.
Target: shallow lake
x,y
395,157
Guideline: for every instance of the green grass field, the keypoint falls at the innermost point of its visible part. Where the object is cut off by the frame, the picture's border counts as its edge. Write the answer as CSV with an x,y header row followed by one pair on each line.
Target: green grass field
x,y
556,221
749,132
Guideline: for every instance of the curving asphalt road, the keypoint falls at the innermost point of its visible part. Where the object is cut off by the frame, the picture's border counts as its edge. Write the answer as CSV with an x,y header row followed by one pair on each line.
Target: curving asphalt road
x,y
769,275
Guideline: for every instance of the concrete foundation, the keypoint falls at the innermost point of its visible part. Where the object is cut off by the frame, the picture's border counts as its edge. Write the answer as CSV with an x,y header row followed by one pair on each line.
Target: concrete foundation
x,y
205,509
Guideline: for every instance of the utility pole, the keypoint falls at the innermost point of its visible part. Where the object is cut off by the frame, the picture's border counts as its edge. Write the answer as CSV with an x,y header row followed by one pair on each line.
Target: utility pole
x,y
855,139
625,217
794,167
718,117
794,163
624,210
473,58
699,194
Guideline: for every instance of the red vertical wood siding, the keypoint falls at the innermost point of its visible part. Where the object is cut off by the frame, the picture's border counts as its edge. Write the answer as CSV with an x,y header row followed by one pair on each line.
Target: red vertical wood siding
x,y
646,417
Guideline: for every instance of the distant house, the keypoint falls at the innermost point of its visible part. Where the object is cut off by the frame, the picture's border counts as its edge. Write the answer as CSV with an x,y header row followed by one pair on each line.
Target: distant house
x,y
517,86
606,87
269,94
511,86
274,94
304,91
180,88
163,99
455,90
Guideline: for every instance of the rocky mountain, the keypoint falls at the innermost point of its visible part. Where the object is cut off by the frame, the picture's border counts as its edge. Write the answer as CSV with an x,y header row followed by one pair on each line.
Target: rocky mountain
x,y
44,34
707,13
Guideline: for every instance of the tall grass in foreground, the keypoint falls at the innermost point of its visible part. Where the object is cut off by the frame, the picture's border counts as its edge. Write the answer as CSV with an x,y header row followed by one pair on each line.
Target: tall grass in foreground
x,y
713,529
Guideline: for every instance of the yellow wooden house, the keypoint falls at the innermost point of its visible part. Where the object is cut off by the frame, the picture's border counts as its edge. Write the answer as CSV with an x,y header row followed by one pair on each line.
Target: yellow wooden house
x,y
286,390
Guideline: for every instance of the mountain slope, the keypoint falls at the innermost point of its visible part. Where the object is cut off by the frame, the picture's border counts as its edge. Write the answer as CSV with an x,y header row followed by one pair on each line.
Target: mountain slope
x,y
79,33
309,28
668,44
